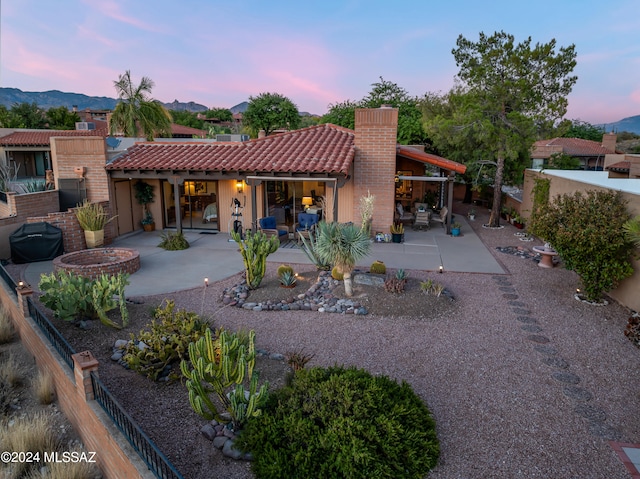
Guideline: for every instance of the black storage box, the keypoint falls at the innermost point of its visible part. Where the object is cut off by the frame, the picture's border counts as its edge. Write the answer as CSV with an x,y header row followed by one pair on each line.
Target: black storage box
x,y
35,242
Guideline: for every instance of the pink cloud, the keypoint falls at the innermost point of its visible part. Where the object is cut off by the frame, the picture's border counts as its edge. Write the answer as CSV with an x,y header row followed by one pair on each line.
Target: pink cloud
x,y
111,9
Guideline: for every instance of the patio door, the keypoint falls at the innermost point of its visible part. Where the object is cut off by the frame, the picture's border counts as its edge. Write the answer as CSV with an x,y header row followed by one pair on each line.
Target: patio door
x,y
198,207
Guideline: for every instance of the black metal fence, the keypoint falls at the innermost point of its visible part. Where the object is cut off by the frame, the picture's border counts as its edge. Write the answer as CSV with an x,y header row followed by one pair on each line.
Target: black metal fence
x,y
145,447
148,451
53,335
4,274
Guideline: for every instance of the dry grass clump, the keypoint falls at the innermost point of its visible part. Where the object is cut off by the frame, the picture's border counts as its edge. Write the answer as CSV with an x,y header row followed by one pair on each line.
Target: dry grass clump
x,y
44,388
11,371
33,433
7,331
66,470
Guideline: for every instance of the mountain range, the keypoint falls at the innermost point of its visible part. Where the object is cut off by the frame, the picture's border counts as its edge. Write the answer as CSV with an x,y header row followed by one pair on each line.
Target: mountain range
x,y
56,98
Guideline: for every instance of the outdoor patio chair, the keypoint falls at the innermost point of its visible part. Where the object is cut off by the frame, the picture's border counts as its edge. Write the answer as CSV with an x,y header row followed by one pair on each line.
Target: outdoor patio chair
x,y
269,227
422,216
442,217
306,223
403,216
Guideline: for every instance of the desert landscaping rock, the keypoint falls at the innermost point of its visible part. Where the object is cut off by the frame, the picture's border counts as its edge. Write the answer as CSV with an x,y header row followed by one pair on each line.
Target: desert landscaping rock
x,y
546,349
593,413
526,319
531,328
565,377
537,338
555,362
577,393
510,296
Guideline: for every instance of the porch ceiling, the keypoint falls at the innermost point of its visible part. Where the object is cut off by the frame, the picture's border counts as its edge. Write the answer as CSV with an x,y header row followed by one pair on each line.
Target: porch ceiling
x,y
440,162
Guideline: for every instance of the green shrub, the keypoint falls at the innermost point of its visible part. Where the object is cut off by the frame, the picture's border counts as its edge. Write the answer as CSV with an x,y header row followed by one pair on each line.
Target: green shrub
x,y
338,422
378,267
586,229
74,297
165,342
172,241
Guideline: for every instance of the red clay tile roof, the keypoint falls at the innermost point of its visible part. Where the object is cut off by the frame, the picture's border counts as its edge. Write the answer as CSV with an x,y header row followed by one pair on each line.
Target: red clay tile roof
x,y
576,146
187,130
316,149
620,165
42,137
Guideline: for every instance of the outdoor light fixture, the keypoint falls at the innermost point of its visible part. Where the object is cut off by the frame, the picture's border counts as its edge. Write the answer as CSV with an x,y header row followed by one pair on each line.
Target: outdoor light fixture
x,y
306,202
206,282
20,284
239,186
440,269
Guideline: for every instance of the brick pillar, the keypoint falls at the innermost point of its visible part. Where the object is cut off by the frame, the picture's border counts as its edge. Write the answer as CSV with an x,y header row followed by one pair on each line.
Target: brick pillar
x,y
83,365
24,293
374,166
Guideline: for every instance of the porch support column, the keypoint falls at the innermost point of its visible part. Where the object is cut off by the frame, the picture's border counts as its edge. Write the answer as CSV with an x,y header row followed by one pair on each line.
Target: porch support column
x,y
176,202
449,201
253,184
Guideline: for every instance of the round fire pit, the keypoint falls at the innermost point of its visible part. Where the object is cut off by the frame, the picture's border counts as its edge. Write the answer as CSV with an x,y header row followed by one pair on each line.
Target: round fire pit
x,y
92,263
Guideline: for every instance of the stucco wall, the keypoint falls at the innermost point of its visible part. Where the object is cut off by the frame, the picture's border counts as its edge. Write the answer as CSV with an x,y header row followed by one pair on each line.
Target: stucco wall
x,y
628,292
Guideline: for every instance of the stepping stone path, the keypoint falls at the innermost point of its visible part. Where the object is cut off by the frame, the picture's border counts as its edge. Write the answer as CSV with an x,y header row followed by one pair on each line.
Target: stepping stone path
x,y
560,368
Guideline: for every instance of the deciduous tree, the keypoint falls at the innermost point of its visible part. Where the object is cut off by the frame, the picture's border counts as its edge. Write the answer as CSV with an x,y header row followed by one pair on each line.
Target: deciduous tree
x,y
61,118
269,112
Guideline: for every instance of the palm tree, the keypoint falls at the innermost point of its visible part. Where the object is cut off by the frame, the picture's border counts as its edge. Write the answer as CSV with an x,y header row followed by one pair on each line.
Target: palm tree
x,y
342,245
137,111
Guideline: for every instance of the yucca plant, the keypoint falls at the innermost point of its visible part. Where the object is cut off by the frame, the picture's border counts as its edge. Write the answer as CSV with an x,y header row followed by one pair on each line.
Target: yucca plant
x,y
342,245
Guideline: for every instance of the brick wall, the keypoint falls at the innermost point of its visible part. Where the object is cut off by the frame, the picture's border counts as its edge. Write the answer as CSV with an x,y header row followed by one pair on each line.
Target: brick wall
x,y
375,163
88,153
115,457
72,233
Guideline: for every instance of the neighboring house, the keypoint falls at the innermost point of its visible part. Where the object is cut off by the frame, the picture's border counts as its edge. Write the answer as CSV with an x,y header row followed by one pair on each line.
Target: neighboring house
x,y
590,153
570,181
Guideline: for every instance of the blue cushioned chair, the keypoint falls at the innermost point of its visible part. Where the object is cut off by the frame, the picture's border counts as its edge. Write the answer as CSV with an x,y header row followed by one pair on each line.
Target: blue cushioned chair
x,y
306,221
269,227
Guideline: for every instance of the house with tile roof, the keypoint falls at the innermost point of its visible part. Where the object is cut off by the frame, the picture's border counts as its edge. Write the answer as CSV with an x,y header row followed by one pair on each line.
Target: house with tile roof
x,y
202,184
590,153
325,167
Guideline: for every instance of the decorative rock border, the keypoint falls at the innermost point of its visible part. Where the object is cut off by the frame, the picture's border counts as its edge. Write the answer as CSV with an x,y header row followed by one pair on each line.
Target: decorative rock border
x,y
319,297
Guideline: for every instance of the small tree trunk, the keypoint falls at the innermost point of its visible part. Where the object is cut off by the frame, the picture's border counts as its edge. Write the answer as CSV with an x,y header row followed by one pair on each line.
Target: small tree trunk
x,y
494,220
348,284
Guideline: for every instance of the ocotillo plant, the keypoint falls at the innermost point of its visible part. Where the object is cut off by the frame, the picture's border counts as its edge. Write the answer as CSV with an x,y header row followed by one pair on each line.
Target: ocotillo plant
x,y
254,249
215,366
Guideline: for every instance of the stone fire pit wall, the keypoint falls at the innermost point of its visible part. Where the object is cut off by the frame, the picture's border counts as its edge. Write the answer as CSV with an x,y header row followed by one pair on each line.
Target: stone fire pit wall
x,y
92,263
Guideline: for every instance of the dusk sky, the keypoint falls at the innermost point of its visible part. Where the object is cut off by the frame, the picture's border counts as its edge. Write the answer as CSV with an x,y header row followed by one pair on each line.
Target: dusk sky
x,y
315,53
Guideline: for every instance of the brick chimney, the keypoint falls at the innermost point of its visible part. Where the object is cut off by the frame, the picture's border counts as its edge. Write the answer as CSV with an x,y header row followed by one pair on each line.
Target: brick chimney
x,y
374,166
609,141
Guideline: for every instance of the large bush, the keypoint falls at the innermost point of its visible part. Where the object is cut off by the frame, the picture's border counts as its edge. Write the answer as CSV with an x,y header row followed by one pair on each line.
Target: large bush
x,y
586,229
337,423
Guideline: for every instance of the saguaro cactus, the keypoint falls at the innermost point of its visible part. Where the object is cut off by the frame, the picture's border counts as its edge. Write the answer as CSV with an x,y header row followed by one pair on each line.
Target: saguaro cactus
x,y
218,365
254,249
